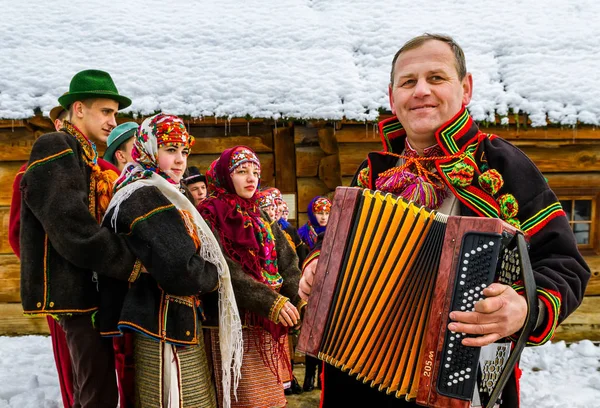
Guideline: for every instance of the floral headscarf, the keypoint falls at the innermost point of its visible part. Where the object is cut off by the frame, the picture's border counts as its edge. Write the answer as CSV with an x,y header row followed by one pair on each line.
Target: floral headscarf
x,y
155,131
310,231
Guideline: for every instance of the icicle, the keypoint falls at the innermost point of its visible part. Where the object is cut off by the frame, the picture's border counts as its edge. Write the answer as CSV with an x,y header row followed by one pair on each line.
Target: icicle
x,y
229,125
225,124
12,123
366,129
248,128
275,126
216,121
334,126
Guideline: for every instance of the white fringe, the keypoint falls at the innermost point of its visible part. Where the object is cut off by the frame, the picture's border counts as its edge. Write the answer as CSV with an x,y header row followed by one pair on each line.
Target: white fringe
x,y
230,325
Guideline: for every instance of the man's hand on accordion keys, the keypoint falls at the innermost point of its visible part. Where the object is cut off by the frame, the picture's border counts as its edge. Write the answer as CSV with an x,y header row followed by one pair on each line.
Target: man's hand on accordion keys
x,y
500,314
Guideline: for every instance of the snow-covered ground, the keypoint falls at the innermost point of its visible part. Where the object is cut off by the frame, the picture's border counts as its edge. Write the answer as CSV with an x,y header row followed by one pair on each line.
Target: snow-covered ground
x,y
554,375
298,58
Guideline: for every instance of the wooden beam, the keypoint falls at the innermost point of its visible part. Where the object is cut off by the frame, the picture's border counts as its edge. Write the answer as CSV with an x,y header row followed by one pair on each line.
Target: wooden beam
x,y
10,278
13,322
308,188
285,160
4,245
353,154
216,145
584,323
329,171
304,134
307,160
8,172
544,133
327,140
573,180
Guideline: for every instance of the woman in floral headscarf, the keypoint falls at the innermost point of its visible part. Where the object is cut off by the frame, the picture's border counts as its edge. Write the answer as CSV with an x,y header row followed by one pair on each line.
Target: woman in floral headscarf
x,y
318,215
264,273
178,259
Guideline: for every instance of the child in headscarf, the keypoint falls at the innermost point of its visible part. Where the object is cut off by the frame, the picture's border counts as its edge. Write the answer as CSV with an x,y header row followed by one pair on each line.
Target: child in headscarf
x,y
264,273
178,259
318,215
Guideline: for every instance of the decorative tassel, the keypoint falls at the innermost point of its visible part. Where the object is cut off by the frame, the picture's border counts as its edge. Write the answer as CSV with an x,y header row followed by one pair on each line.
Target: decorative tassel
x,y
104,188
514,222
396,181
461,175
508,206
491,181
363,178
424,193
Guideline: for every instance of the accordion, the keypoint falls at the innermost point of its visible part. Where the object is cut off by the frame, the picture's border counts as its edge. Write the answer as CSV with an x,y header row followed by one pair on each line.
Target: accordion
x,y
387,278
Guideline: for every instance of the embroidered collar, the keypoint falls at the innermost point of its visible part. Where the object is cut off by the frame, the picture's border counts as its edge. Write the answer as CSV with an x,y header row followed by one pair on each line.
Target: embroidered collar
x,y
452,137
89,147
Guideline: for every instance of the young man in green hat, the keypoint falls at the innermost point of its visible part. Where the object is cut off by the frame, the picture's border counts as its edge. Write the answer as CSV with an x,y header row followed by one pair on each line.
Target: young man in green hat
x,y
119,145
65,191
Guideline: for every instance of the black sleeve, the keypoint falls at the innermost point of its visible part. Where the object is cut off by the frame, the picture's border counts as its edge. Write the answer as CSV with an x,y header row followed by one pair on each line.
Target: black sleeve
x,y
157,234
55,188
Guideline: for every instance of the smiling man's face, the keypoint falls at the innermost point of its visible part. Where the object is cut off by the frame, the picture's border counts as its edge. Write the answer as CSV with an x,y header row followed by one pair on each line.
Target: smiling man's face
x,y
427,91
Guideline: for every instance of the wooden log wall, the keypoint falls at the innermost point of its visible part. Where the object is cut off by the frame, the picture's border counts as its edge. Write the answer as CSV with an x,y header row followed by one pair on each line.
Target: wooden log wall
x,y
313,158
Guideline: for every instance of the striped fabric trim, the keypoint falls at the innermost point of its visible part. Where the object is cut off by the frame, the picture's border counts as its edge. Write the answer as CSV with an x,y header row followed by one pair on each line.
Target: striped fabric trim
x,y
59,311
135,273
448,134
390,129
552,301
543,217
276,308
313,255
148,215
48,159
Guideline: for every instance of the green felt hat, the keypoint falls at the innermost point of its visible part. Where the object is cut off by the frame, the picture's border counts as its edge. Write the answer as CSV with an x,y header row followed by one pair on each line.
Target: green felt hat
x,y
92,83
116,138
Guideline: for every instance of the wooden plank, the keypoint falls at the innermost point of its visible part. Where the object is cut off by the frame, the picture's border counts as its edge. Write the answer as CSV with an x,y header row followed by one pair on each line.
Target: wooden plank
x,y
302,219
11,123
304,134
10,278
544,133
216,145
327,140
15,144
329,171
308,188
347,180
41,122
584,323
285,160
565,158
13,322
202,161
593,287
307,160
216,121
353,154
4,245
573,180
8,171
364,133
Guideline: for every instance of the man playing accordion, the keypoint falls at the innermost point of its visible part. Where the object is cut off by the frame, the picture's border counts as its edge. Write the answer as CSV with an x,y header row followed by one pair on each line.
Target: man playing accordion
x,y
435,155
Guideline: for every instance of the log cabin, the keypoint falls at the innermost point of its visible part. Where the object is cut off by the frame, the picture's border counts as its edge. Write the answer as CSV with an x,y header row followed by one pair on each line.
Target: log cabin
x,y
305,90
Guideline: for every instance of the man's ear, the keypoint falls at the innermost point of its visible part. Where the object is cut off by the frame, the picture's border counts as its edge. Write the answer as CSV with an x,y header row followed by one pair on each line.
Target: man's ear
x,y
391,98
77,109
467,84
120,157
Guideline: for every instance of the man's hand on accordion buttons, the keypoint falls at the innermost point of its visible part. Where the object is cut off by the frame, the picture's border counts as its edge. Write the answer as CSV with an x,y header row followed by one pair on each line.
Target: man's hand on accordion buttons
x,y
500,314
288,315
308,274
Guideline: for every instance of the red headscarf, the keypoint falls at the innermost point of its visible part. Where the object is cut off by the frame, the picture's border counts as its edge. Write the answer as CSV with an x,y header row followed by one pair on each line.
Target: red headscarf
x,y
246,237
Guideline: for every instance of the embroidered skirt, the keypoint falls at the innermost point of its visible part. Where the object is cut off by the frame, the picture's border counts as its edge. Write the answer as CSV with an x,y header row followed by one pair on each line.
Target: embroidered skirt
x,y
191,384
259,387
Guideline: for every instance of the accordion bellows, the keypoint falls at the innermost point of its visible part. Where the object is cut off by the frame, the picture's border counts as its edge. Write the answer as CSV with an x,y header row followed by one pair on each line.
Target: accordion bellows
x,y
388,276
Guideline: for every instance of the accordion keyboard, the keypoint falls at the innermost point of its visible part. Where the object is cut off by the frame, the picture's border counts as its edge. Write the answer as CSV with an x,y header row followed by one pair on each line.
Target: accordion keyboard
x,y
476,270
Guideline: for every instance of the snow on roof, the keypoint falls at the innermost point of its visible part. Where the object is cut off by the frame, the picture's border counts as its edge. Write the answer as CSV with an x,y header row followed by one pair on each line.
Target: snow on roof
x,y
312,59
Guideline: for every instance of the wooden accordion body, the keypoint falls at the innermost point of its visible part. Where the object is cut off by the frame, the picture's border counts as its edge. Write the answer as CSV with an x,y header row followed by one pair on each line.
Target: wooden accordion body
x,y
387,278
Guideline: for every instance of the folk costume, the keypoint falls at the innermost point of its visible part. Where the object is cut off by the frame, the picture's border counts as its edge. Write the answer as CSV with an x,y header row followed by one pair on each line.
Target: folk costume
x,y
290,231
178,258
311,230
264,273
487,177
62,251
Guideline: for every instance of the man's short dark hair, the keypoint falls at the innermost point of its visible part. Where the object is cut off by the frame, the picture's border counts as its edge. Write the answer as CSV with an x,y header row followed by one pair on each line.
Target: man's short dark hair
x,y
416,42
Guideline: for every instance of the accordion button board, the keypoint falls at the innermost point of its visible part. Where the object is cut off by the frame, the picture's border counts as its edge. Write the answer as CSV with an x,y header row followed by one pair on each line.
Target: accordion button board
x,y
476,270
